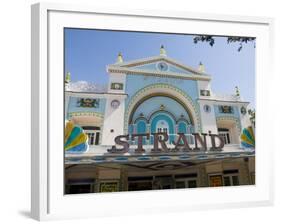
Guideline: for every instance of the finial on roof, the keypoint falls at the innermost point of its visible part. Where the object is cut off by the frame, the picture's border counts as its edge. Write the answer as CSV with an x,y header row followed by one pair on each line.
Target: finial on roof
x,y
237,91
119,58
67,81
201,67
67,77
162,51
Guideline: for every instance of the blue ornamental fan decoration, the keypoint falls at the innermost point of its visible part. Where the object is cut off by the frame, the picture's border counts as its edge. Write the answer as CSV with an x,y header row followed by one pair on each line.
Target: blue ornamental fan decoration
x,y
75,140
248,138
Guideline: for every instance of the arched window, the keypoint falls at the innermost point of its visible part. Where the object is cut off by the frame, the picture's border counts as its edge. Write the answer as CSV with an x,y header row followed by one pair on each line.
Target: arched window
x,y
141,127
162,126
182,127
163,122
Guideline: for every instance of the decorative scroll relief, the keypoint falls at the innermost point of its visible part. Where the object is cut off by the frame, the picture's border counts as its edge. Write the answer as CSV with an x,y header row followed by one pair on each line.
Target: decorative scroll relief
x,y
88,102
226,109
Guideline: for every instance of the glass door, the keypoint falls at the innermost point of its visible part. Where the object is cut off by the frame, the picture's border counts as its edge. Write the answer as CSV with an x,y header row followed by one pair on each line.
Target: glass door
x,y
186,183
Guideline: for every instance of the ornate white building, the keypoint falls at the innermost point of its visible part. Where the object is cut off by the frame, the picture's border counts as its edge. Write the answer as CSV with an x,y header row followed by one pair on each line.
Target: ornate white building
x,y
152,95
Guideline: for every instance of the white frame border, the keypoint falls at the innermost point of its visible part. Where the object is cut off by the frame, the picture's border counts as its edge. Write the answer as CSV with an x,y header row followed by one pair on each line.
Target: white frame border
x,y
40,89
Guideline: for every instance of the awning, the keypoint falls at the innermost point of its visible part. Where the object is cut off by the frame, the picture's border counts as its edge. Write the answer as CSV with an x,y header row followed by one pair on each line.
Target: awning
x,y
132,158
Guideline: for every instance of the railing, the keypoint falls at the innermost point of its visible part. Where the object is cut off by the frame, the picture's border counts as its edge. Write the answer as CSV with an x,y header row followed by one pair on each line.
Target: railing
x,y
226,97
222,97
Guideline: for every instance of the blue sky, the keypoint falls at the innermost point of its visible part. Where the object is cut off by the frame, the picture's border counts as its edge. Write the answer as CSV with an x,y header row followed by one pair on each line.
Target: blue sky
x,y
87,52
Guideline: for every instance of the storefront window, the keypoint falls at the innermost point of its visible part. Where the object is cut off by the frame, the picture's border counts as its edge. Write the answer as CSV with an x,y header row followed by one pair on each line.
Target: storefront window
x,y
226,181
78,189
180,184
192,183
253,178
80,186
140,186
140,183
231,177
215,180
186,180
235,180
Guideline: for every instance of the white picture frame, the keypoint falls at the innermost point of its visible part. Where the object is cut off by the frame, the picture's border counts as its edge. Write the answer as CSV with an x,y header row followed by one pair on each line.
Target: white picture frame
x,y
48,200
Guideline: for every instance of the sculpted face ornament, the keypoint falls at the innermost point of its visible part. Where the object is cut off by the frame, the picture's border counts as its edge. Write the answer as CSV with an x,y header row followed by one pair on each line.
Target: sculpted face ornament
x,y
243,110
162,66
161,139
115,104
207,108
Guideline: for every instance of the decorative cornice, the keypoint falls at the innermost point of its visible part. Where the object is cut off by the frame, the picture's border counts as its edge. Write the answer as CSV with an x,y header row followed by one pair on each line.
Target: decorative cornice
x,y
149,60
157,112
218,102
195,157
94,95
133,71
86,113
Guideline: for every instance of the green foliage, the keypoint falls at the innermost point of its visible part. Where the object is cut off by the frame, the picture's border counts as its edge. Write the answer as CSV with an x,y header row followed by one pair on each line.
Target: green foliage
x,y
211,40
204,38
252,114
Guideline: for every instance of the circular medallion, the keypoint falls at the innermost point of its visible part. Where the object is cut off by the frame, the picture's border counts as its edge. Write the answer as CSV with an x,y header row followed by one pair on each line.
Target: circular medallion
x,y
115,104
243,110
207,108
162,66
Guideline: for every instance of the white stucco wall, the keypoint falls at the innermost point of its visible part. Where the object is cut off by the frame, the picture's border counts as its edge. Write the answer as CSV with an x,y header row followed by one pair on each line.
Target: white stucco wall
x,y
117,78
244,118
113,119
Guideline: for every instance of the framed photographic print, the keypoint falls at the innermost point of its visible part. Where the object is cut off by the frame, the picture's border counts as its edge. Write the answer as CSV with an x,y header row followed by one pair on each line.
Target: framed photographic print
x,y
148,111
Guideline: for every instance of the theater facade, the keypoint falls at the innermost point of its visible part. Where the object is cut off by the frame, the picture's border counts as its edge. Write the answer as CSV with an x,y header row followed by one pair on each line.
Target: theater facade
x,y
157,95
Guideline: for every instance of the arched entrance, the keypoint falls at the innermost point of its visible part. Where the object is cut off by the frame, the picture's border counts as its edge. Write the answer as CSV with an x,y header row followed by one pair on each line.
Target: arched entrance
x,y
229,129
159,111
179,97
91,124
161,122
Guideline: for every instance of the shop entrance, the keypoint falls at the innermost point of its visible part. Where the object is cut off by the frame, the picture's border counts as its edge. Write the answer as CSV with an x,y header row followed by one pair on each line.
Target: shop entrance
x,y
140,183
164,182
150,183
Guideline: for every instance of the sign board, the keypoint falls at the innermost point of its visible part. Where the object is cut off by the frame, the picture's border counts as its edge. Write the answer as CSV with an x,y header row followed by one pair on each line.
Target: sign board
x,y
109,187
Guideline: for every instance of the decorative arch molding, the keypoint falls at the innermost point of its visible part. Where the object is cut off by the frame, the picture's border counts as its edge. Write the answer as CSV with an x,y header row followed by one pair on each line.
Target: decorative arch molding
x,y
140,119
154,113
163,89
229,118
86,118
182,119
162,117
